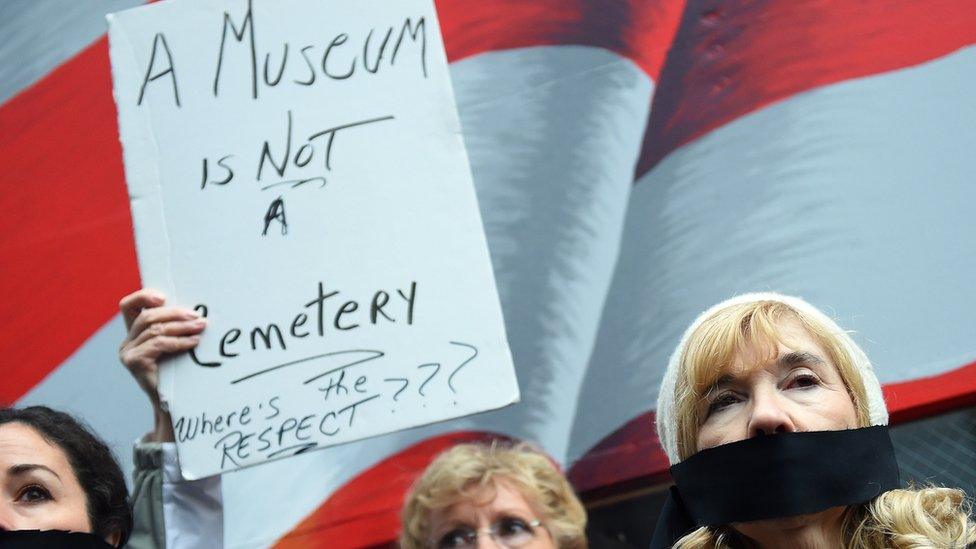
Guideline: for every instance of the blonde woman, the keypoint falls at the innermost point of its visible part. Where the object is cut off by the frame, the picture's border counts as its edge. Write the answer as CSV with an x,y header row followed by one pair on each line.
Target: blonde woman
x,y
775,426
476,494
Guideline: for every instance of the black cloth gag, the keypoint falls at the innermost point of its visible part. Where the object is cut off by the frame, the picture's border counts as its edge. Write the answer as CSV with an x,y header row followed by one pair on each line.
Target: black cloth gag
x,y
50,539
777,476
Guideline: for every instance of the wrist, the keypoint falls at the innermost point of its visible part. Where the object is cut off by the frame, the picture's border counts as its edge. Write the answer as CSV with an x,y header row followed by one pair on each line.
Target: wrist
x,y
163,430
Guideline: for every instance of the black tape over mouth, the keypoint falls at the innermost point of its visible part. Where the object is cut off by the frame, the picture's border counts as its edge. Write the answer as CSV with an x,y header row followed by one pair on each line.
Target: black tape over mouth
x,y
50,539
777,476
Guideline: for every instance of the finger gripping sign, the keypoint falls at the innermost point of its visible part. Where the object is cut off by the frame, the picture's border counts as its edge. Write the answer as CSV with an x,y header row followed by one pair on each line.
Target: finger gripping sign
x,y
297,175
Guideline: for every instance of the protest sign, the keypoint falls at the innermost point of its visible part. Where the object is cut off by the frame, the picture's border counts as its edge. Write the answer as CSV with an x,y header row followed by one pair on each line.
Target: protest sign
x,y
297,175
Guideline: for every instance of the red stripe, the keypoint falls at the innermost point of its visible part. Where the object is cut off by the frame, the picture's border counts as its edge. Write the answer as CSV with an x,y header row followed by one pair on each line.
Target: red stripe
x,y
732,58
630,453
640,30
65,236
918,398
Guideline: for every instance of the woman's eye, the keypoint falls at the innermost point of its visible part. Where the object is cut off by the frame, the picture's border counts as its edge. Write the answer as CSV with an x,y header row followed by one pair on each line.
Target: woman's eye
x,y
721,402
510,525
459,537
34,494
803,381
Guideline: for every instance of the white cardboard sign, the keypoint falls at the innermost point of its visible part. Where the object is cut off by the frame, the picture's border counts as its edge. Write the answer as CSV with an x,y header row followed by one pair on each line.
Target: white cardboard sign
x,y
297,174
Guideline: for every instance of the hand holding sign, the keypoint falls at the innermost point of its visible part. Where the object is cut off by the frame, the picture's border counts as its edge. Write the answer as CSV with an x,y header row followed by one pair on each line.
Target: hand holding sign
x,y
297,178
152,332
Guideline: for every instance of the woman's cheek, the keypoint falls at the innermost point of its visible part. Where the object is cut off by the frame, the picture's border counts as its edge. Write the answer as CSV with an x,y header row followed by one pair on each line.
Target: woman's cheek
x,y
59,516
720,428
815,396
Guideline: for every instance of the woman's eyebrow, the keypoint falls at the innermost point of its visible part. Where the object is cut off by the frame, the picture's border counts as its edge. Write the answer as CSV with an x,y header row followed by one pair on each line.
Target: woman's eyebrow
x,y
722,381
24,468
513,512
800,357
456,523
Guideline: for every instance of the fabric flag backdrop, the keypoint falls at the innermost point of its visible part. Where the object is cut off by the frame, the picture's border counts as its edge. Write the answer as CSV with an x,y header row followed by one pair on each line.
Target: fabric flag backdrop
x,y
635,162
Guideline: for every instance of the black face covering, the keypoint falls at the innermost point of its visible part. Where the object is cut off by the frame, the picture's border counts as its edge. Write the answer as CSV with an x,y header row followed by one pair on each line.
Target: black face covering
x,y
50,539
777,476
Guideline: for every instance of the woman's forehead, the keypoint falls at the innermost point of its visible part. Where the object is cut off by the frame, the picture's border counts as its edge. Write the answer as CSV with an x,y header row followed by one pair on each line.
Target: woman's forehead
x,y
755,349
789,337
497,494
20,443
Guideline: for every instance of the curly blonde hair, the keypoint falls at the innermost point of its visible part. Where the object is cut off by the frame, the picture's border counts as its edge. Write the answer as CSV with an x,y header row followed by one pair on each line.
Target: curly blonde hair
x,y
920,518
467,470
905,518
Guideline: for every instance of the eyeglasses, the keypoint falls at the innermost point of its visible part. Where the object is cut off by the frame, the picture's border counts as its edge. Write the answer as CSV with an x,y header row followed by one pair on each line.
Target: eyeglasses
x,y
509,532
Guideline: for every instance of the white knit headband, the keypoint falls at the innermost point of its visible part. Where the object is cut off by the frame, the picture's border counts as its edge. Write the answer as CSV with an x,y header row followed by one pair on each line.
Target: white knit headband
x,y
667,429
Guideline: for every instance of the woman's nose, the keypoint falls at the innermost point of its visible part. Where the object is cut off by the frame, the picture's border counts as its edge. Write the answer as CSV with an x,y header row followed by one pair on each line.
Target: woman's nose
x,y
769,416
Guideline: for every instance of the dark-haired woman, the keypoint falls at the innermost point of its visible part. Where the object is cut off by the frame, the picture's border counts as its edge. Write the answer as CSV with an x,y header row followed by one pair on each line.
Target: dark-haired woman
x,y
61,486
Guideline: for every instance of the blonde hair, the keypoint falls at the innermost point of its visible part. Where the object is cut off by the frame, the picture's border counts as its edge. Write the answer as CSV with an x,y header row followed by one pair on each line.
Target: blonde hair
x,y
467,470
906,518
920,518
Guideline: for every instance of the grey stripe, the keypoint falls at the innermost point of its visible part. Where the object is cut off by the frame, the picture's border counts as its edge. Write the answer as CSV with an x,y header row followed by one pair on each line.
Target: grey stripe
x,y
552,155
857,196
39,35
